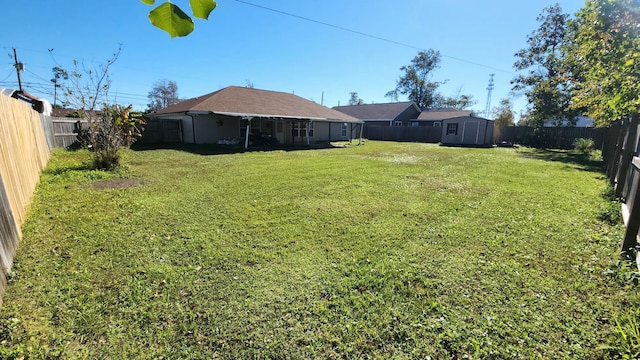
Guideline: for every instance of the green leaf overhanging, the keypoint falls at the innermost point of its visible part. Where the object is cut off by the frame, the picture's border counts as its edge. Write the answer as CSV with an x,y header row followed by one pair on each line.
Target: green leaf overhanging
x,y
202,8
171,19
149,2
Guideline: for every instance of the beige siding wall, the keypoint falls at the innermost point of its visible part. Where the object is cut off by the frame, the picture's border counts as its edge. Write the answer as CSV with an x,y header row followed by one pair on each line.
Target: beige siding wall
x,y
212,128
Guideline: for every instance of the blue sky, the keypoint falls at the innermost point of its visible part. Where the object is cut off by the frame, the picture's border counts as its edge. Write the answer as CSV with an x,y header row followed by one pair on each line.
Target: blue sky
x,y
242,42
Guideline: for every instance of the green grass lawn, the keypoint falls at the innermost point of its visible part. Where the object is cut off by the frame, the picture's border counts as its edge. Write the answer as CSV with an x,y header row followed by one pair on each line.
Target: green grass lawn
x,y
387,250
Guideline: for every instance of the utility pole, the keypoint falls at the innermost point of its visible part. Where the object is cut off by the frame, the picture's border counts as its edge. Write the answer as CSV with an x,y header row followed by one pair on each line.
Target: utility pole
x,y
19,67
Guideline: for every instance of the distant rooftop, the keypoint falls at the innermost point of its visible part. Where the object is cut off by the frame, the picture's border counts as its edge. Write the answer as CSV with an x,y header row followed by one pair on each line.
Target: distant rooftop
x,y
385,111
443,113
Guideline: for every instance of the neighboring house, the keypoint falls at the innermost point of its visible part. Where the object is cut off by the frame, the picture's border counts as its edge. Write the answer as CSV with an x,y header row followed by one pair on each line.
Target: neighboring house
x,y
434,117
40,105
73,113
581,121
387,114
467,131
245,115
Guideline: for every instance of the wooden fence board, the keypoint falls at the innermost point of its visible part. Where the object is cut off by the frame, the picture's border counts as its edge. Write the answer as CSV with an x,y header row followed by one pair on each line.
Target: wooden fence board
x,y
428,134
551,137
24,152
620,154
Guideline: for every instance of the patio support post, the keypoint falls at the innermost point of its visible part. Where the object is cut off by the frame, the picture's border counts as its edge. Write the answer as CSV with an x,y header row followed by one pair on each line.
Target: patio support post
x,y
307,129
361,130
246,135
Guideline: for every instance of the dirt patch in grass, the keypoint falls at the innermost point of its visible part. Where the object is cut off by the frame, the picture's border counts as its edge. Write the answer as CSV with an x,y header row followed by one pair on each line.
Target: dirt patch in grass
x,y
116,184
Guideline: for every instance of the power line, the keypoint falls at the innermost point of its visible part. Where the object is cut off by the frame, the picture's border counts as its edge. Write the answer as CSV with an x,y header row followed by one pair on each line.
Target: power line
x,y
8,76
369,35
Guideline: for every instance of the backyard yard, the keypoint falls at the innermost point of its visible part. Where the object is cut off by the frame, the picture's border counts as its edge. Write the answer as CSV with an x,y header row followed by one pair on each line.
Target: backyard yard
x,y
387,250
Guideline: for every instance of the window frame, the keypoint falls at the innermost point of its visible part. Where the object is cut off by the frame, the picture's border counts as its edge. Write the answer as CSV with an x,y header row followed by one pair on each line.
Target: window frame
x,y
452,129
299,129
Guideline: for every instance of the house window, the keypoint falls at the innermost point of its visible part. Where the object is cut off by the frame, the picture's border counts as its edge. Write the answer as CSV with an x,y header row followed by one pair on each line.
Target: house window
x,y
437,123
397,123
299,129
344,130
415,123
452,129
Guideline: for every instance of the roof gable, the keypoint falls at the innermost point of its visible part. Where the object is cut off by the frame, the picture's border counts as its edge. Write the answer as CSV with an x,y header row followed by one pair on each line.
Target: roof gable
x,y
385,111
242,101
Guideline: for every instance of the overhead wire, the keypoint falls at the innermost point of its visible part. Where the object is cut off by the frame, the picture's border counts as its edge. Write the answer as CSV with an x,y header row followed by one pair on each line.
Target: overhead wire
x,y
369,35
8,76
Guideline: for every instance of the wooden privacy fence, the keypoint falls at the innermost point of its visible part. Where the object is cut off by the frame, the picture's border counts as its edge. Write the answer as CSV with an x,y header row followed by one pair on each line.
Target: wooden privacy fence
x,y
65,130
161,132
620,153
427,134
24,152
547,137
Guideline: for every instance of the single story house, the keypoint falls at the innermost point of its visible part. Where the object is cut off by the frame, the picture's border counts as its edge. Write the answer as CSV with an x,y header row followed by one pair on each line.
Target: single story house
x,y
434,117
467,131
248,116
386,114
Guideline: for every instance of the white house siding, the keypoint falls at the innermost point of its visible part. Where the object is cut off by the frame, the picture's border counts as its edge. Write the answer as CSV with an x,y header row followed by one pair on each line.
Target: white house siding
x,y
212,128
325,131
336,132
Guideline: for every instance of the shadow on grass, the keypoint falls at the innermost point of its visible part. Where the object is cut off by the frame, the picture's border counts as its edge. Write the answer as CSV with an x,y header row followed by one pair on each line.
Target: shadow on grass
x,y
215,149
582,161
61,169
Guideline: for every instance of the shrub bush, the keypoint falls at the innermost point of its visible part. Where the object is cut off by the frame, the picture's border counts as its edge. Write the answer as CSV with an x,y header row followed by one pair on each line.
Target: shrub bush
x,y
585,146
117,127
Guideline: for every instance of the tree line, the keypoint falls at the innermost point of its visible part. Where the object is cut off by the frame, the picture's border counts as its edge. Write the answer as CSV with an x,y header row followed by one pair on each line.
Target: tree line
x,y
586,64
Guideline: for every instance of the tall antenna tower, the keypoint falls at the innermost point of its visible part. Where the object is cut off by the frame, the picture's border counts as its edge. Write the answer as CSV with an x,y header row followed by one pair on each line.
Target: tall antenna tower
x,y
487,110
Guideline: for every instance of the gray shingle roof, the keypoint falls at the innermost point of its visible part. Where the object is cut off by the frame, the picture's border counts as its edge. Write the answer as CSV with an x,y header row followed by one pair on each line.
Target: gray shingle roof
x,y
387,111
242,101
441,114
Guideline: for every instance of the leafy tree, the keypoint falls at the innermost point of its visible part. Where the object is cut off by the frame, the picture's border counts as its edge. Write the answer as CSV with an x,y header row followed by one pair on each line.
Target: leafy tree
x,y
604,55
545,81
392,95
163,94
416,80
355,99
58,75
172,19
110,127
503,114
525,119
458,101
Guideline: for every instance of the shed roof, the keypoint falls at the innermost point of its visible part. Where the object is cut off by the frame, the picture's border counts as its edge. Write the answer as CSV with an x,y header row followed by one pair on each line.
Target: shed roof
x,y
242,101
464,118
443,113
385,111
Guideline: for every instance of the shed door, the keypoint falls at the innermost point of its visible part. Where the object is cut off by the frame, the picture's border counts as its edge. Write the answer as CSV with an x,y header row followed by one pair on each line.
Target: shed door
x,y
470,132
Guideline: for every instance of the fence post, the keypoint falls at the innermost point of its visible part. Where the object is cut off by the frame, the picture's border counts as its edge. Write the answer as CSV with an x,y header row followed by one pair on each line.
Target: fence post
x,y
612,170
628,152
630,241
